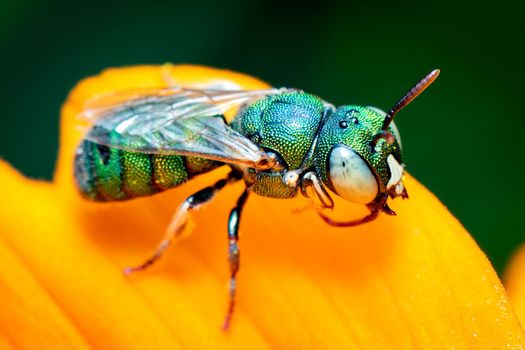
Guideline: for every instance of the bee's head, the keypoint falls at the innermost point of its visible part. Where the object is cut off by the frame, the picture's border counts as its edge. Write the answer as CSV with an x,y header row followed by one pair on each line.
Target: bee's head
x,y
356,158
358,154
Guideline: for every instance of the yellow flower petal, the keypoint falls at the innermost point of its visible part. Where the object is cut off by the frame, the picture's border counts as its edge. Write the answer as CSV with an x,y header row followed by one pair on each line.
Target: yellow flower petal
x,y
514,280
413,281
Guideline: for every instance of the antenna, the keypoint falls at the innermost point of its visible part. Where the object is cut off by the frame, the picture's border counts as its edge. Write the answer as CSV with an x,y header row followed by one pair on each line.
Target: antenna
x,y
410,96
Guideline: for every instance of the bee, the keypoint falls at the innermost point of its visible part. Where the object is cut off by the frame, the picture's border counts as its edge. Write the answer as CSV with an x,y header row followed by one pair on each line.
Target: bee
x,y
280,143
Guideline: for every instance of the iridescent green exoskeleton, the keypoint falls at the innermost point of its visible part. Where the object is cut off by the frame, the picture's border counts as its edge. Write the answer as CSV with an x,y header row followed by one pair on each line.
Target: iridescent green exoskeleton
x,y
280,142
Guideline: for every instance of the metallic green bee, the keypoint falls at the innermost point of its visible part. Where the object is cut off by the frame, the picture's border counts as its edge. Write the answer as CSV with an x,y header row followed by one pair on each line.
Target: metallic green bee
x,y
281,142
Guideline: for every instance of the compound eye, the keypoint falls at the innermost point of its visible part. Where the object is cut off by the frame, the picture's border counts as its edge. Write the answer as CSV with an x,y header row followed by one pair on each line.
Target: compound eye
x,y
351,176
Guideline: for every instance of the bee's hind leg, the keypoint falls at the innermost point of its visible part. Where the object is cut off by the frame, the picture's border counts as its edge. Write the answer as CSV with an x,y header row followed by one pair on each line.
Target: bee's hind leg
x,y
180,219
233,253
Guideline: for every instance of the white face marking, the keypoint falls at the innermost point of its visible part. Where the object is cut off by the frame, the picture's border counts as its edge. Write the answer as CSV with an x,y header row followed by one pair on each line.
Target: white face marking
x,y
396,171
351,176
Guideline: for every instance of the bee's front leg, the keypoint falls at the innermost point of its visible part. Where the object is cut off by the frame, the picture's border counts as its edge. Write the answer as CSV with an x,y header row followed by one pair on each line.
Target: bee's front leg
x,y
367,218
376,207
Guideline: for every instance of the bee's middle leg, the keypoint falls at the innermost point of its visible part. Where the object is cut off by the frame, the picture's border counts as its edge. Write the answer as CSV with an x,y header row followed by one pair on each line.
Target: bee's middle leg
x,y
180,220
233,253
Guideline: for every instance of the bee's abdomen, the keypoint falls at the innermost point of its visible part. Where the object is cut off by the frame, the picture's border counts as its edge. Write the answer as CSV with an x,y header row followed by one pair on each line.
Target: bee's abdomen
x,y
108,174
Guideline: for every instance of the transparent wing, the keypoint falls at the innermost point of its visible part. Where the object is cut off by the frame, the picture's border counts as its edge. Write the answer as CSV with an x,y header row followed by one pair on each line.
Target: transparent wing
x,y
173,121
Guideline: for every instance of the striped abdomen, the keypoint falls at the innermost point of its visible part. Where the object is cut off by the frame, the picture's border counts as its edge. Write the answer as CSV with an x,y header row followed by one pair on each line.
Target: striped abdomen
x,y
108,174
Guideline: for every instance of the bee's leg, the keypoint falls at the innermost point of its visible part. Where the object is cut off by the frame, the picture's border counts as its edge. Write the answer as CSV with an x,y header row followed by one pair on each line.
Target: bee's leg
x,y
180,219
379,205
367,218
233,252
322,199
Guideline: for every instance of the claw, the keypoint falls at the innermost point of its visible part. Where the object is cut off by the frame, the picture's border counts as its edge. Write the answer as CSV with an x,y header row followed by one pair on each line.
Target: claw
x,y
387,210
130,270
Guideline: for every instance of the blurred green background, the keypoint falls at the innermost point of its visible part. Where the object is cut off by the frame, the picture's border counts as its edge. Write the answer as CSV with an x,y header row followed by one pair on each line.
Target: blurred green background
x,y
462,138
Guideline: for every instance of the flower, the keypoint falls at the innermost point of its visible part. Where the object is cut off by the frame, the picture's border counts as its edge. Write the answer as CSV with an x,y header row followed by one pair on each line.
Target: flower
x,y
417,280
514,281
